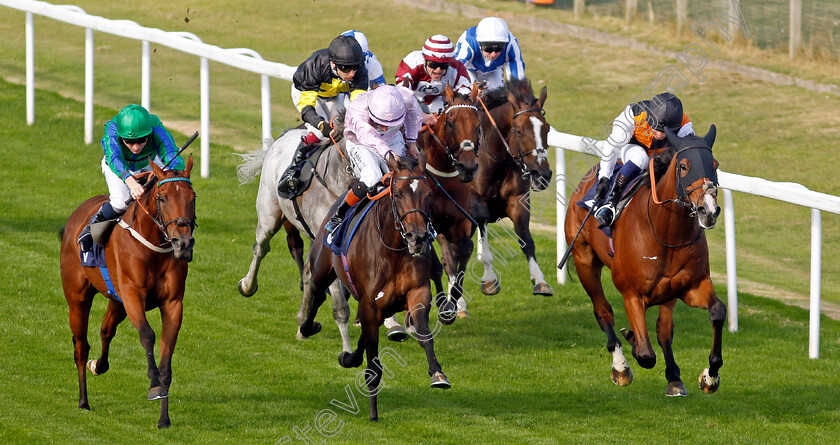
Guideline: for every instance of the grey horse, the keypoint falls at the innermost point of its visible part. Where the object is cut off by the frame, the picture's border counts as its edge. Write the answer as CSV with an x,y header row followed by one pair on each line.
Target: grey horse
x,y
313,206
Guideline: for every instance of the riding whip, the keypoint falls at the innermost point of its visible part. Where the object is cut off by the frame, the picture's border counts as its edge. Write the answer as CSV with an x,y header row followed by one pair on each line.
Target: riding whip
x,y
569,250
184,147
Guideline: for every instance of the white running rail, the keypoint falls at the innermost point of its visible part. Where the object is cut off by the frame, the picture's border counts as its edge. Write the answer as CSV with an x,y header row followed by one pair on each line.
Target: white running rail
x,y
783,191
242,58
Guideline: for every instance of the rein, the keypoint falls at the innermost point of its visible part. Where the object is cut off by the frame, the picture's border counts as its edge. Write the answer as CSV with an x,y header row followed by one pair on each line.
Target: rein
x,y
398,224
159,222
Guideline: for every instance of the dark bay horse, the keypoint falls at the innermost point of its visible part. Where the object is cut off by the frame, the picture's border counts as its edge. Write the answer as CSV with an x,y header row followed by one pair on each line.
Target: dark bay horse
x,y
513,162
387,268
147,260
451,161
660,255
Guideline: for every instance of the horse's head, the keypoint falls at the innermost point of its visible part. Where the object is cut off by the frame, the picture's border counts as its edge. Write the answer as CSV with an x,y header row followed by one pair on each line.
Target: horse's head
x,y
460,132
410,202
696,175
175,202
529,133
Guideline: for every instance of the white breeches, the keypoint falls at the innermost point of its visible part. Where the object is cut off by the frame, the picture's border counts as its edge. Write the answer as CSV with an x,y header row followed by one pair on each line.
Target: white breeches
x,y
367,164
116,187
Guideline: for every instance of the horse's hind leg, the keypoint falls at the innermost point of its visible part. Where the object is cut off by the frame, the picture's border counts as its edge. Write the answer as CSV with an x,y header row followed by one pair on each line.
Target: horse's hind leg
x,y
341,313
318,275
588,268
270,220
446,307
704,296
114,315
490,284
665,335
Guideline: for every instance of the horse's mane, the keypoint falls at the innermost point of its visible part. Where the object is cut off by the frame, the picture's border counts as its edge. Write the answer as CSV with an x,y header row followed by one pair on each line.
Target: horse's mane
x,y
408,162
519,88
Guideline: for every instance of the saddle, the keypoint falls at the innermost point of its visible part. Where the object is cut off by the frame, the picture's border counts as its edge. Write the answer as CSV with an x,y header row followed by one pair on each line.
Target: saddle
x,y
306,170
629,191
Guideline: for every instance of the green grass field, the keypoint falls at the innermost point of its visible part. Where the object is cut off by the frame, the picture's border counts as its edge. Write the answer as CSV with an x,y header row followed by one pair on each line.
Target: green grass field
x,y
524,369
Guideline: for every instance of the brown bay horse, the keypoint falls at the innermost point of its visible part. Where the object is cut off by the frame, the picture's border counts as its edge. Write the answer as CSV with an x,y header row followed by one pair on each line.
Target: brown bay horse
x,y
513,162
388,266
451,149
147,259
659,255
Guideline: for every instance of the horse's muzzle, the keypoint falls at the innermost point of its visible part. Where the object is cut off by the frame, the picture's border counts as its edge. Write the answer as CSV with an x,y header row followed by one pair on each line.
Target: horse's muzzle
x,y
708,212
466,174
538,180
417,242
183,247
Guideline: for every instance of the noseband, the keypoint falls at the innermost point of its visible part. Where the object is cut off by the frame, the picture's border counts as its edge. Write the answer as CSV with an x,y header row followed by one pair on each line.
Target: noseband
x,y
465,145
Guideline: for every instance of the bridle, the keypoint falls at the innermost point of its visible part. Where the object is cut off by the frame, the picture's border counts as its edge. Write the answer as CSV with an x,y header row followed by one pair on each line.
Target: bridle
x,y
519,158
163,225
398,219
465,145
709,187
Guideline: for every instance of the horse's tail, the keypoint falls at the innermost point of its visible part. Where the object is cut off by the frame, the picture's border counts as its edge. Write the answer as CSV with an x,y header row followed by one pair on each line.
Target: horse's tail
x,y
252,163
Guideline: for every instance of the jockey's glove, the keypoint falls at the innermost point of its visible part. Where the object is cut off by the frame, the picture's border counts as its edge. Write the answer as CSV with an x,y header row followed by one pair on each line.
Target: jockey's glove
x,y
602,188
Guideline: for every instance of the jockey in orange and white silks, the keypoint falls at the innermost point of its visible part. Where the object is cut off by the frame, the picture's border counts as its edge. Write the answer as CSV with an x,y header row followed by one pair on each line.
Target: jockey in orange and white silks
x,y
489,48
372,130
636,134
376,75
428,71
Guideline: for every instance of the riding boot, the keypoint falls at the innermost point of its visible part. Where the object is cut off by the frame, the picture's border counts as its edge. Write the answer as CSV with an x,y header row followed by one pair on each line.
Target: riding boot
x,y
105,213
606,213
288,183
352,198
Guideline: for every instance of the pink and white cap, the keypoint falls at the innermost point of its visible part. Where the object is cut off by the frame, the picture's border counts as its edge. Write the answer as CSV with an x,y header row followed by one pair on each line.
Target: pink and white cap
x,y
438,48
386,106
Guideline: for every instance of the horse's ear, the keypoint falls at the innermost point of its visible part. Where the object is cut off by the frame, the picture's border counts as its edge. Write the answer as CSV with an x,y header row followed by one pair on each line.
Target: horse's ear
x,y
156,169
711,135
450,95
672,138
392,162
188,167
474,91
543,95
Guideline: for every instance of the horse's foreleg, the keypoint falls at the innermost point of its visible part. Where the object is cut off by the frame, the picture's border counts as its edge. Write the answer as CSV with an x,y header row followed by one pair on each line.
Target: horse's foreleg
x,y
490,284
419,303
135,310
638,333
295,244
341,313
588,268
704,296
171,317
114,315
665,335
520,214
270,221
79,314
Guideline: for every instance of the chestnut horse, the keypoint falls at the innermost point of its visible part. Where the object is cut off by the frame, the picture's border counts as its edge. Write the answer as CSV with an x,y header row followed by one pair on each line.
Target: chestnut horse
x,y
451,161
387,268
659,255
513,162
147,260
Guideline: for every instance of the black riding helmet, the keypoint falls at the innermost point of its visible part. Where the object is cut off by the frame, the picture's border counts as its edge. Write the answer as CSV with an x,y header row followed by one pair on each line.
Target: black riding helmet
x,y
666,110
345,50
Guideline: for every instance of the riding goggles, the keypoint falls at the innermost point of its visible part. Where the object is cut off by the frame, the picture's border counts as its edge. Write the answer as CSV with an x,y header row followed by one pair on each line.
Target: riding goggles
x,y
491,48
346,68
136,141
435,65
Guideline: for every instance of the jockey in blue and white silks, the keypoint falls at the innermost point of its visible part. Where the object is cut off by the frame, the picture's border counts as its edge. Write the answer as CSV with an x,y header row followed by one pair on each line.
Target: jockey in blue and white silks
x,y
488,49
375,72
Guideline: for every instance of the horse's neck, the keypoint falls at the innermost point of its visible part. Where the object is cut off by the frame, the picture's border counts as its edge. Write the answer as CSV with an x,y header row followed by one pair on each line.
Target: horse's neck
x,y
435,152
339,169
144,223
387,224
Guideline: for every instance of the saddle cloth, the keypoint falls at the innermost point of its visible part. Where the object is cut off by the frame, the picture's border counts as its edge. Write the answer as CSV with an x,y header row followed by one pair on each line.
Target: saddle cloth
x,y
339,240
96,258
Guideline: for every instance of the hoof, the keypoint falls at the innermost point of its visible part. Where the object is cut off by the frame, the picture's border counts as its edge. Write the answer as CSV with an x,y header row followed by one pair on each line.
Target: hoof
x,y
491,288
158,392
91,366
344,359
463,314
675,389
708,383
543,289
439,380
447,311
374,418
245,292
306,331
397,333
164,424
84,405
622,378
